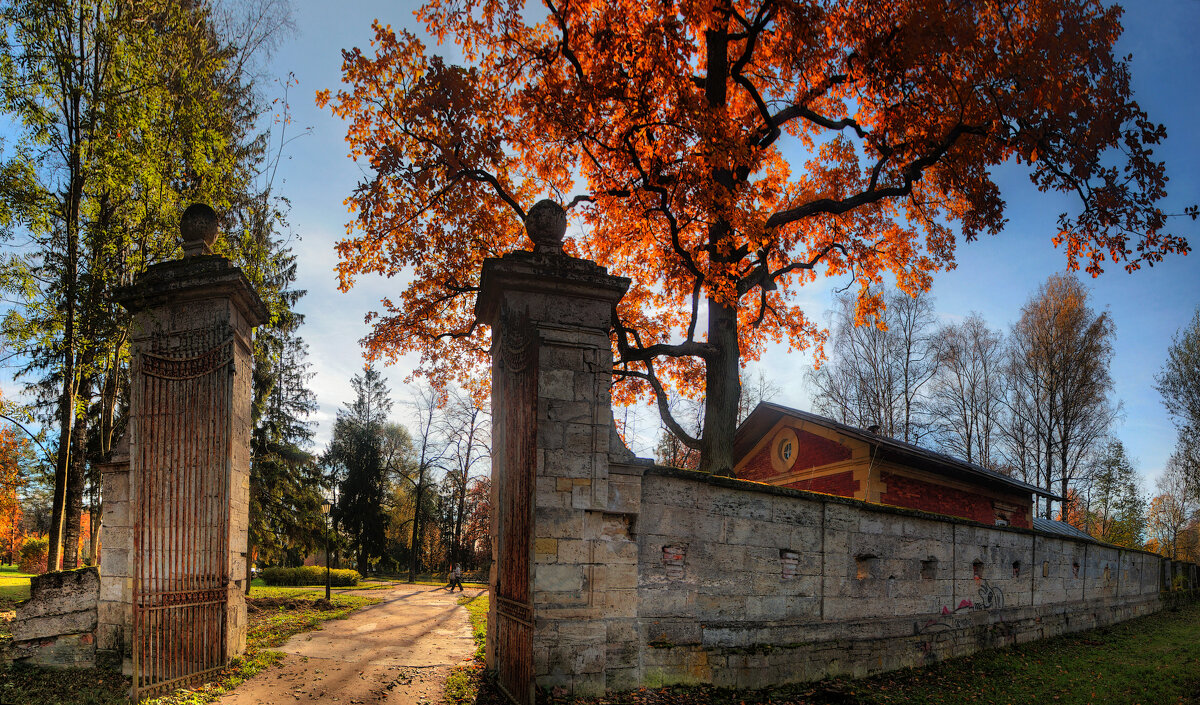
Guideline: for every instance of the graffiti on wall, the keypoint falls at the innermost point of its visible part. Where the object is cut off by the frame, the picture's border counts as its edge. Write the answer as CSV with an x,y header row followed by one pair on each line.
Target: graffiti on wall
x,y
938,630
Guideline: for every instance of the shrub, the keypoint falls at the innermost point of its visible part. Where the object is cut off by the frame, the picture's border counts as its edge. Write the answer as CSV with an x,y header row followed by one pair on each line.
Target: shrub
x,y
33,555
309,575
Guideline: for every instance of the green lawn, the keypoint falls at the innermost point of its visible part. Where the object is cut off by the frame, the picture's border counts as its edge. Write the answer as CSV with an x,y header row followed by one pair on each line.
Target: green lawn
x,y
466,684
14,586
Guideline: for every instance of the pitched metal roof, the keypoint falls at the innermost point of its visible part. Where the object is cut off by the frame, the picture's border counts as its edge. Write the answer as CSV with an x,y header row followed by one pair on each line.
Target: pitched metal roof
x,y
1062,528
766,414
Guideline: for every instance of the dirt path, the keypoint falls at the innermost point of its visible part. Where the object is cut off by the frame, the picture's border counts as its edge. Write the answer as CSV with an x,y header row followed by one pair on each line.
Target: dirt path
x,y
396,652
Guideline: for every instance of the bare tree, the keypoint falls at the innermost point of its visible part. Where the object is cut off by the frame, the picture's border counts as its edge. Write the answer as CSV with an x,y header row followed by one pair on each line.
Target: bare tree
x,y
967,394
466,427
1170,521
429,451
1059,385
876,373
1179,384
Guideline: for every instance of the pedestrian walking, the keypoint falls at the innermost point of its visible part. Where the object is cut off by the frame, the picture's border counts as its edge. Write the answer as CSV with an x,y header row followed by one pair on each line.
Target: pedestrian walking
x,y
455,578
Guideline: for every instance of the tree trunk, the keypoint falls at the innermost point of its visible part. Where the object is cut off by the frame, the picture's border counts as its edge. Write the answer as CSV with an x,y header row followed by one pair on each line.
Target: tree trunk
x,y
74,503
722,376
58,509
414,556
456,547
722,391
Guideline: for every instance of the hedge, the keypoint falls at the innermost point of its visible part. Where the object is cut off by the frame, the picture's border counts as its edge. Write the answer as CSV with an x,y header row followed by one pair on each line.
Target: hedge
x,y
309,575
33,555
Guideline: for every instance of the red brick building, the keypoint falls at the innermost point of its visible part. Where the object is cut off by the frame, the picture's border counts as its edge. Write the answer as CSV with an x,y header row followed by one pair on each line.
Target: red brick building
x,y
791,448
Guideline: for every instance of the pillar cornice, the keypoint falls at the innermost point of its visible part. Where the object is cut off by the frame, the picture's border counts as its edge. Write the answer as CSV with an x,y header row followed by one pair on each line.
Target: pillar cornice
x,y
548,274
194,279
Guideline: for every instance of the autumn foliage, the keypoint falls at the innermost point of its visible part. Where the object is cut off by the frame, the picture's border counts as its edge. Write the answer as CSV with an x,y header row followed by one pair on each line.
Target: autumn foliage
x,y
723,153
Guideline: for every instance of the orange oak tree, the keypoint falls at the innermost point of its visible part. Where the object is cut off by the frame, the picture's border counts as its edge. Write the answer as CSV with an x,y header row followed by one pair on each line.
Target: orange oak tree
x,y
721,154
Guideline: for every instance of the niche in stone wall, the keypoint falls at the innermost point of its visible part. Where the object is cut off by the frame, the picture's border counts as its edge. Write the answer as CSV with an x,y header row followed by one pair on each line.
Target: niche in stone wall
x,y
1075,569
673,556
789,564
1016,567
977,569
866,566
929,568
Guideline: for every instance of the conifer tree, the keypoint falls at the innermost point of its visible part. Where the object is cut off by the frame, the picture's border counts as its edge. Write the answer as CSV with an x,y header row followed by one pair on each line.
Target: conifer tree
x,y
355,462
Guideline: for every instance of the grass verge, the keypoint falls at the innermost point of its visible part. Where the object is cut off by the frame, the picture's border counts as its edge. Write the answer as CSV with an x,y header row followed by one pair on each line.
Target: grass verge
x,y
275,614
1154,659
466,685
364,584
14,586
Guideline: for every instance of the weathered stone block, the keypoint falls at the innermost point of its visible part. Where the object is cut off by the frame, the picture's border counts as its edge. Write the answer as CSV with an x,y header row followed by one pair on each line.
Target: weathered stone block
x,y
67,651
53,625
624,494
559,463
617,551
558,578
109,637
557,522
61,592
573,551
556,383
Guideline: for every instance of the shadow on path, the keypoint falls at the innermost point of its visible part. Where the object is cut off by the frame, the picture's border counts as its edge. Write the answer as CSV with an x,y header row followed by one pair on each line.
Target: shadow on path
x,y
396,652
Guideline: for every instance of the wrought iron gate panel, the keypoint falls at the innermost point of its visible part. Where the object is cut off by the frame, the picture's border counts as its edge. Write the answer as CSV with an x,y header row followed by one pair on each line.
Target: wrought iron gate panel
x,y
181,534
514,608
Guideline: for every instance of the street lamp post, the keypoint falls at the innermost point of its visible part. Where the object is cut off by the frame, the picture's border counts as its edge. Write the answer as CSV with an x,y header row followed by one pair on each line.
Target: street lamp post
x,y
325,507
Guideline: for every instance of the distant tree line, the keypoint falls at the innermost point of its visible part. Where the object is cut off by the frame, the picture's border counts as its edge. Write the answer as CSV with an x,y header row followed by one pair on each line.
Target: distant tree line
x,y
1034,402
409,501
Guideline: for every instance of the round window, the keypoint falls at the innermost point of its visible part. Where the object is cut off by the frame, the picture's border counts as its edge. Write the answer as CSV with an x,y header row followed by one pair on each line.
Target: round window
x,y
786,447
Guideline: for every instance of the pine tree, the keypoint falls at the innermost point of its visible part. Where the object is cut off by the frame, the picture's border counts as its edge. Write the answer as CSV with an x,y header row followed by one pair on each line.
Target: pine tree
x,y
356,463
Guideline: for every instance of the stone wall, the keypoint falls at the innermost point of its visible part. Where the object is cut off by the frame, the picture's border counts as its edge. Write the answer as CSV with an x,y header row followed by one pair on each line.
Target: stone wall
x,y
682,577
56,626
642,575
114,631
745,585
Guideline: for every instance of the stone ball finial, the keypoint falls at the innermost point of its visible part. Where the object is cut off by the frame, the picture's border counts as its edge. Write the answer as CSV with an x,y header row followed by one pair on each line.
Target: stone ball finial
x,y
546,224
198,228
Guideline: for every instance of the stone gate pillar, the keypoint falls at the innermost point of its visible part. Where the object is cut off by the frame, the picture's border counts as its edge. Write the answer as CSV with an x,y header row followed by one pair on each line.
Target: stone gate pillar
x,y
183,525
553,576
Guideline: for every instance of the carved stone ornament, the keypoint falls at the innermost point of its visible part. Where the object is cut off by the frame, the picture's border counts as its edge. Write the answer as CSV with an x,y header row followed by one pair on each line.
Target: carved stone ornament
x,y
546,224
190,367
198,229
517,336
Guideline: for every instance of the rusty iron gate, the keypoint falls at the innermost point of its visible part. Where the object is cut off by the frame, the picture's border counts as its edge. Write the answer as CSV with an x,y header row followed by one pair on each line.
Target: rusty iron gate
x,y
181,534
514,605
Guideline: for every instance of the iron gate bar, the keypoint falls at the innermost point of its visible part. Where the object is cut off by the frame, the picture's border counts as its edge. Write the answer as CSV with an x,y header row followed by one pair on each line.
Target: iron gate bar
x,y
181,575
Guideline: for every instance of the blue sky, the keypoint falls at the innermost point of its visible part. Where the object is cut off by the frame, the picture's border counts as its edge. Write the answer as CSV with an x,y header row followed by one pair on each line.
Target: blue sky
x,y
994,276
